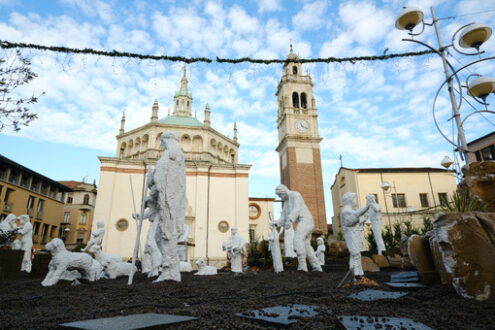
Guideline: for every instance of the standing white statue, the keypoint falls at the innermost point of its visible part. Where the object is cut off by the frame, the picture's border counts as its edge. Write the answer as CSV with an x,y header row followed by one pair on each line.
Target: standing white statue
x,y
295,210
274,247
169,178
26,232
375,215
152,256
351,222
289,241
235,247
8,229
96,236
320,251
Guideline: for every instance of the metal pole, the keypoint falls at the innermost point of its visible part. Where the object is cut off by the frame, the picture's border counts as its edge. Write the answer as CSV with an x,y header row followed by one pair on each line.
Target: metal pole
x,y
453,100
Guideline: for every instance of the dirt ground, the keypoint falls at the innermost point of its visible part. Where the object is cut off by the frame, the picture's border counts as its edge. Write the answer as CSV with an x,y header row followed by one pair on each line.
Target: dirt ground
x,y
214,300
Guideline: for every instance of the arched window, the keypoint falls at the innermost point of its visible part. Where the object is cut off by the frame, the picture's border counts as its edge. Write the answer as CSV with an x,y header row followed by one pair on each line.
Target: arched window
x,y
304,102
82,219
294,69
86,199
295,100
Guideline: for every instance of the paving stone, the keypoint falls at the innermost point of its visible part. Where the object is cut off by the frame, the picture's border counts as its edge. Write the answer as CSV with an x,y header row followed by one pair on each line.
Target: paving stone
x,y
411,286
281,315
379,322
136,321
404,277
371,294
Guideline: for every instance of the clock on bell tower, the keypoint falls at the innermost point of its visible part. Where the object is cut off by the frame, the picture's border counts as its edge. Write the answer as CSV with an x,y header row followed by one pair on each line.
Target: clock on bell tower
x,y
299,142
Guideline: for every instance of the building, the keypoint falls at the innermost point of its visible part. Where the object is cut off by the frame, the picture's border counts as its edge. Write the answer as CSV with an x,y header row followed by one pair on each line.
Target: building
x,y
482,149
24,191
216,184
259,217
78,212
412,191
299,141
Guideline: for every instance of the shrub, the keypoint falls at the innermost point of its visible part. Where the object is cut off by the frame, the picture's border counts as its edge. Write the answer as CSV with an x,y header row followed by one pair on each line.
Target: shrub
x,y
427,225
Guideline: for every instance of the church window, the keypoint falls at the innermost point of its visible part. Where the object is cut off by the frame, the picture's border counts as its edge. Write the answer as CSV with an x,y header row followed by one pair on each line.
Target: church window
x,y
304,102
177,103
295,100
223,226
188,104
294,69
122,224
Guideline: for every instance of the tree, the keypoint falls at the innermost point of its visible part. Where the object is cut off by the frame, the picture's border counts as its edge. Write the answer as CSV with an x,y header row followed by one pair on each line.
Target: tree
x,y
15,71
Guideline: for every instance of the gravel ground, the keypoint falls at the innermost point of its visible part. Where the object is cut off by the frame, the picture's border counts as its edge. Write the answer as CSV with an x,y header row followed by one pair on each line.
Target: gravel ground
x,y
214,300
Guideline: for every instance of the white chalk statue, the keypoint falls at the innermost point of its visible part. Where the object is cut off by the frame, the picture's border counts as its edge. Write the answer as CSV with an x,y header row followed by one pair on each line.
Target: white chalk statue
x,y
26,232
204,269
375,215
289,241
296,211
96,236
274,247
8,230
320,250
62,260
169,178
112,263
351,221
235,247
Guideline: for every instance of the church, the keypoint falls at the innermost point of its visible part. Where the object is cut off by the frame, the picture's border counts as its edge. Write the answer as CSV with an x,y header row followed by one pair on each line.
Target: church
x,y
216,184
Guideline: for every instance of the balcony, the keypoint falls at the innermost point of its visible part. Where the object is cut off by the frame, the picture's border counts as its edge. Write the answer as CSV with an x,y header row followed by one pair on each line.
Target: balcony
x,y
39,215
7,206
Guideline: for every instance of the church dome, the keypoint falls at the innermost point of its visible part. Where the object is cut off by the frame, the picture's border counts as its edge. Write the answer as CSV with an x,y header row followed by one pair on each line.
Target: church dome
x,y
180,121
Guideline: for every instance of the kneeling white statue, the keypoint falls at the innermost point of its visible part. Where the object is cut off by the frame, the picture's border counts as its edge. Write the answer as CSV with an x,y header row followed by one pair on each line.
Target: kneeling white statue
x,y
63,260
204,269
235,247
112,263
320,251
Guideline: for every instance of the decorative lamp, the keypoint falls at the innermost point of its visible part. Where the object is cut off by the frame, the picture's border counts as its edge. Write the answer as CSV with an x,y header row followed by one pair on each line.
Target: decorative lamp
x,y
385,186
446,162
481,87
409,17
474,35
410,210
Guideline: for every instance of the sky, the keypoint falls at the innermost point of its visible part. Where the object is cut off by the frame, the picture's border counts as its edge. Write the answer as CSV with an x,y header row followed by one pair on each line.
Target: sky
x,y
374,114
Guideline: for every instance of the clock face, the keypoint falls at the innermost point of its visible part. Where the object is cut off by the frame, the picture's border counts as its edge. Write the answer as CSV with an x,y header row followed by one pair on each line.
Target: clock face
x,y
254,211
302,126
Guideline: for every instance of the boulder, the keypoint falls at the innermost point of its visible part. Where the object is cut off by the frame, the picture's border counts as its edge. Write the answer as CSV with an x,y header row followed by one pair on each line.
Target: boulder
x,y
445,277
467,245
480,180
420,256
337,248
369,265
380,261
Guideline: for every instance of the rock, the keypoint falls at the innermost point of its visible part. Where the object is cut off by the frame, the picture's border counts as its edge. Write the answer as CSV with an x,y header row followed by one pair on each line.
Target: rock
x,y
420,256
380,261
337,248
480,180
369,265
466,242
395,261
404,246
445,277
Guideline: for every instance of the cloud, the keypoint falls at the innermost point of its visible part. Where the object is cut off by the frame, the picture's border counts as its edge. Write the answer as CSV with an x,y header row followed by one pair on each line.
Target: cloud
x,y
268,5
311,16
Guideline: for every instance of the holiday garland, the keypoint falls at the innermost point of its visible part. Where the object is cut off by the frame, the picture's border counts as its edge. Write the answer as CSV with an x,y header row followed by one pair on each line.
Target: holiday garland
x,y
115,53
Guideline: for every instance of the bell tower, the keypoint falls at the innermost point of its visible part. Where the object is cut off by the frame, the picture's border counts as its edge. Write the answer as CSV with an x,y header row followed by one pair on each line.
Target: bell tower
x,y
299,142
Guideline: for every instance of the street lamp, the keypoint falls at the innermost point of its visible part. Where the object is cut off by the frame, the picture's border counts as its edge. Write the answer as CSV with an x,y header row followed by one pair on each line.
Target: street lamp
x,y
471,36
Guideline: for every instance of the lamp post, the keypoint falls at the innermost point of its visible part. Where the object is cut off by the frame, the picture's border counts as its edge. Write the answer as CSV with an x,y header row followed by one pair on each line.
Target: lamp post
x,y
472,36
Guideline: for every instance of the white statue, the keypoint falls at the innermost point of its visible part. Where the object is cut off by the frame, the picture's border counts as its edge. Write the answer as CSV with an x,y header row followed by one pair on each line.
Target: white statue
x,y
320,251
8,223
63,260
362,221
112,263
351,222
182,248
204,269
274,247
169,178
8,229
289,241
185,267
152,256
295,210
26,232
235,247
16,245
375,215
96,236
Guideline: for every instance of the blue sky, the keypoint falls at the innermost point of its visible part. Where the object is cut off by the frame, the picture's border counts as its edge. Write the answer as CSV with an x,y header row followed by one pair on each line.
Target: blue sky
x,y
376,114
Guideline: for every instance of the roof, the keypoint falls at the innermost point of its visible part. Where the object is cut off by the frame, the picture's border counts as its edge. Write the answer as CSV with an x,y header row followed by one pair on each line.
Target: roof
x,y
70,184
8,162
181,121
481,138
183,93
78,185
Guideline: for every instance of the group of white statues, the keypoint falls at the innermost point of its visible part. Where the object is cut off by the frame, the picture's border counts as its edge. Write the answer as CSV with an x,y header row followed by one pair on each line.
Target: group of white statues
x,y
353,220
25,231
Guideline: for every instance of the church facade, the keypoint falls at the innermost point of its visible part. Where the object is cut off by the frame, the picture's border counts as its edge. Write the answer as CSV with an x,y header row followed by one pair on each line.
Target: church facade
x,y
216,184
